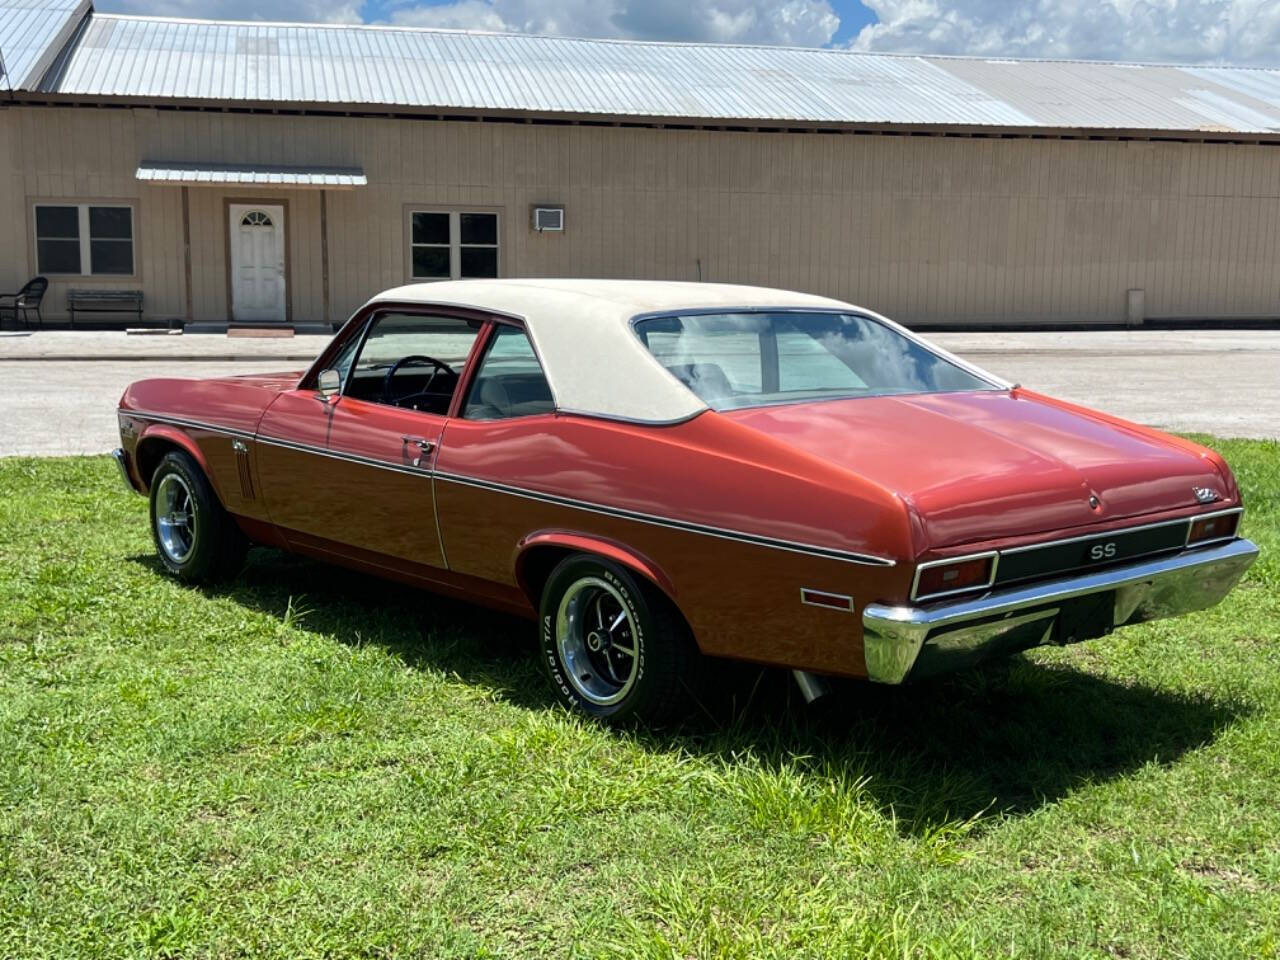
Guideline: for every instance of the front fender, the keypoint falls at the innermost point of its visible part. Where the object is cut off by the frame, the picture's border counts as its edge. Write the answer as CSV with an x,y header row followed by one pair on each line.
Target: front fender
x,y
170,435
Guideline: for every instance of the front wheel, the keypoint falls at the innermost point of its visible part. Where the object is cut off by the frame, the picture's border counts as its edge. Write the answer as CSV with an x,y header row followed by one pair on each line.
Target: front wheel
x,y
195,537
614,647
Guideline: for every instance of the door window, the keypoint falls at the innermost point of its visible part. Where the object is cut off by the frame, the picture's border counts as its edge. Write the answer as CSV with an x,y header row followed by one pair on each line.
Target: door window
x,y
509,382
412,361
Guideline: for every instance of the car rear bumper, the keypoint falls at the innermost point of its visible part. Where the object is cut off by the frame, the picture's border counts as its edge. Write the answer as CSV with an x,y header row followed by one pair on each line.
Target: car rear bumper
x,y
122,461
902,642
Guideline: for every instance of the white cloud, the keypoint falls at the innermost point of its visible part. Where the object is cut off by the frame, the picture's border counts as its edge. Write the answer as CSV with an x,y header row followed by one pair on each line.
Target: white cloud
x,y
796,22
1184,31
304,11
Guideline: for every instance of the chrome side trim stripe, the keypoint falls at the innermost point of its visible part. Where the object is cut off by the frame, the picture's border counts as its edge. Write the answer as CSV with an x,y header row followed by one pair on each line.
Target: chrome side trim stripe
x,y
183,422
348,457
725,534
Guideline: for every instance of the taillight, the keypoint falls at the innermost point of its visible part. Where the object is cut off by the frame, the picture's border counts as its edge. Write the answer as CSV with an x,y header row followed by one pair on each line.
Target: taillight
x,y
1215,526
952,576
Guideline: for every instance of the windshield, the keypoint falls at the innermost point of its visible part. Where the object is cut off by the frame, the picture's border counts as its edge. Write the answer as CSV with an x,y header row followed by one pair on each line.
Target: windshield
x,y
735,360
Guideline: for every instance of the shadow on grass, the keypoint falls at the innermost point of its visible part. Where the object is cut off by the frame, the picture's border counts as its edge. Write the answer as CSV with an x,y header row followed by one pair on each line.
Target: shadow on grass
x,y
1006,739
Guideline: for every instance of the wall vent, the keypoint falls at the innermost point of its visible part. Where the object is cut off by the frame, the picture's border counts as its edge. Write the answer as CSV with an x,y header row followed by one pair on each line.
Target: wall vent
x,y
548,218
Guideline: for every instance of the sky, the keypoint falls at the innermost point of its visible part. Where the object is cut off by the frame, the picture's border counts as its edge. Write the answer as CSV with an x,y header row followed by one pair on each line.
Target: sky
x,y
1245,32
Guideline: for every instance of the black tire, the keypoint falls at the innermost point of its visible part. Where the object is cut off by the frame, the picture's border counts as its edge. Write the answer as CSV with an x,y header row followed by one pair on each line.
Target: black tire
x,y
583,594
209,547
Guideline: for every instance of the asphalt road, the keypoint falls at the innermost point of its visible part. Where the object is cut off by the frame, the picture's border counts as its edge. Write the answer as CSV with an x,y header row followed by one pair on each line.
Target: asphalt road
x,y
1227,383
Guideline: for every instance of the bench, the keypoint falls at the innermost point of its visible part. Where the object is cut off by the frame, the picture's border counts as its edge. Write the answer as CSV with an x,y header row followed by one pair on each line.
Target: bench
x,y
104,301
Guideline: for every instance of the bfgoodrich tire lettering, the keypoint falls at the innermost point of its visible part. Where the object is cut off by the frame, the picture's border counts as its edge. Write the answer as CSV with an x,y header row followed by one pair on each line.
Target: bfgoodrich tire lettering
x,y
196,539
612,645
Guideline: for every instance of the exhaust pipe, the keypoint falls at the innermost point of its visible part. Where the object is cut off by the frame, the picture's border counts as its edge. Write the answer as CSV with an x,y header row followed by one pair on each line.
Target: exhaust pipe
x,y
812,686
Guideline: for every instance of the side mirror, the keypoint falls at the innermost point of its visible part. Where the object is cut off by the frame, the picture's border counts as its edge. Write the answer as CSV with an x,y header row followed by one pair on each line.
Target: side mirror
x,y
328,384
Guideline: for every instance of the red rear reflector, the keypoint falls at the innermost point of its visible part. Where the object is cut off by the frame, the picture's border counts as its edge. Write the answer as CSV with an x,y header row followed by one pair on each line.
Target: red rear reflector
x,y
1220,527
961,575
820,598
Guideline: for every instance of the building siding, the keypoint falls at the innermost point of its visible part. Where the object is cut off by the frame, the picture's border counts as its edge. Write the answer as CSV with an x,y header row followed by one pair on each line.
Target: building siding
x,y
926,229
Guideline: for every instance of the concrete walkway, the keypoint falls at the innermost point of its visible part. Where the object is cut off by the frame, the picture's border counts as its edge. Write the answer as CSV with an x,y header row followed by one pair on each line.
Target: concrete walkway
x,y
59,389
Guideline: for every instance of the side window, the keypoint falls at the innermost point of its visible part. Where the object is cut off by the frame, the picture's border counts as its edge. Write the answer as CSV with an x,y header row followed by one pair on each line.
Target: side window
x,y
412,361
509,382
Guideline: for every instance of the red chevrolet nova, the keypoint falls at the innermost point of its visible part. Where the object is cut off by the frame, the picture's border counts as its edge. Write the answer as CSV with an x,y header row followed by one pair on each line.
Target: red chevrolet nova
x,y
664,471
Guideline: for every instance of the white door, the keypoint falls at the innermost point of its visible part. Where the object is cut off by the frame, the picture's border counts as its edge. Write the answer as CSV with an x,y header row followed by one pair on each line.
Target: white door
x,y
257,262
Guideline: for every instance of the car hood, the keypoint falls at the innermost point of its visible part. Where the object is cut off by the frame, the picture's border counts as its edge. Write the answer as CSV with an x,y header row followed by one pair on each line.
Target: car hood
x,y
278,382
988,465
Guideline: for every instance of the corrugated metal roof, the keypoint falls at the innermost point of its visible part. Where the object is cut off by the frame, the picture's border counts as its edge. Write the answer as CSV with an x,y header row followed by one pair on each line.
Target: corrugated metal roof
x,y
31,34
221,174
385,67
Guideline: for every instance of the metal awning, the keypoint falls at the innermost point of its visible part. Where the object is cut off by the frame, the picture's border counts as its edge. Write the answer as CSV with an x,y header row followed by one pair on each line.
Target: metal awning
x,y
254,175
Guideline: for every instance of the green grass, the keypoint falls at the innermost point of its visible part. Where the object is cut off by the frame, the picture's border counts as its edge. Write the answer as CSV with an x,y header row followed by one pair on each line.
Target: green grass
x,y
311,763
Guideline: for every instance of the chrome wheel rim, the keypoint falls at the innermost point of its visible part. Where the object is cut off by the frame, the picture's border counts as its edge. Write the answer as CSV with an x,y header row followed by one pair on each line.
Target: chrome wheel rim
x,y
596,640
175,518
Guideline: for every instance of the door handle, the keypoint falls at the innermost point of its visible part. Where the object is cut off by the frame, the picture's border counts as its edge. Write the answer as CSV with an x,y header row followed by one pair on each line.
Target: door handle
x,y
424,448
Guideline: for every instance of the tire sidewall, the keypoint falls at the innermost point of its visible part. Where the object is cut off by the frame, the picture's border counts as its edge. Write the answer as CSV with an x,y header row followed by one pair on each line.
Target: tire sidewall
x,y
201,508
562,577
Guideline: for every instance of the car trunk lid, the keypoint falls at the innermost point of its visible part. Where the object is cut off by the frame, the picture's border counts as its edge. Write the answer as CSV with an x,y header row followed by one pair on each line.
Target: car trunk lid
x,y
986,465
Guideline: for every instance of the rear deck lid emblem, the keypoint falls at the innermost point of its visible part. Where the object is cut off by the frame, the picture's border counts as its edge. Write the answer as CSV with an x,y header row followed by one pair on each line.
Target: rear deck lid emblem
x,y
1205,494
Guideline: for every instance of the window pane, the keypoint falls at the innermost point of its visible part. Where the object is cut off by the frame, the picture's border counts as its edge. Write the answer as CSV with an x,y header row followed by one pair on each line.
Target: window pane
x,y
750,359
58,256
108,222
509,382
418,384
111,256
430,228
57,222
804,362
479,262
431,263
396,335
479,227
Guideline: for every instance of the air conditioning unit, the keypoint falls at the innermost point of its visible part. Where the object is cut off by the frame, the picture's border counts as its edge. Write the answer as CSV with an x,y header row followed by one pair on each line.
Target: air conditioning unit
x,y
548,218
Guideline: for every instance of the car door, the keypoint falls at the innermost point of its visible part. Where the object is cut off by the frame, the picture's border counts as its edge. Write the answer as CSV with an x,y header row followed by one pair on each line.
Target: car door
x,y
351,473
503,434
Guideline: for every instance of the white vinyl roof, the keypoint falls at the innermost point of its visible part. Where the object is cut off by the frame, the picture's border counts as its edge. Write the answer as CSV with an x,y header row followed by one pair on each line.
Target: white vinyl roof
x,y
594,362
221,174
156,59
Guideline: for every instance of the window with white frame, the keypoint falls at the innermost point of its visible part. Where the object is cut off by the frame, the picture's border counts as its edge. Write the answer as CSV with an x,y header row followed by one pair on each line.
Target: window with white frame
x,y
84,239
452,245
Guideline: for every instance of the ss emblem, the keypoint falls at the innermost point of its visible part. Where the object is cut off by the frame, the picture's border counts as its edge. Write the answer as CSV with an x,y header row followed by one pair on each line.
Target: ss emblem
x,y
1102,551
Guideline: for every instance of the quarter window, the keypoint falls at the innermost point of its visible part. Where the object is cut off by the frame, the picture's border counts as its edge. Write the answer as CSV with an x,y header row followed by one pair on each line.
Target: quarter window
x,y
452,245
84,239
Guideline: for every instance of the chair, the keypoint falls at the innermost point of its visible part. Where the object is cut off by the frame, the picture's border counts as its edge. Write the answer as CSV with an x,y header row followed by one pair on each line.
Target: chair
x,y
25,300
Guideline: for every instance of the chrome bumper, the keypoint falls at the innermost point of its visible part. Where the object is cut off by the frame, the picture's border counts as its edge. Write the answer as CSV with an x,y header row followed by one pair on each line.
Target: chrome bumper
x,y
122,462
902,642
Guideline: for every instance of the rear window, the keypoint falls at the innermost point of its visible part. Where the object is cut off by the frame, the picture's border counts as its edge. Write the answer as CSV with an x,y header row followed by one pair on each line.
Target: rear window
x,y
735,360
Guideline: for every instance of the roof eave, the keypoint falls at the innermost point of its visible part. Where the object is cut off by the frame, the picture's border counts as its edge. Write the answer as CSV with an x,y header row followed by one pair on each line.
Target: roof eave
x,y
734,124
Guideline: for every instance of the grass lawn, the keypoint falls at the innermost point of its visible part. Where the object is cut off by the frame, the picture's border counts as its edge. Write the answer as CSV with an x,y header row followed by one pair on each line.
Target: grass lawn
x,y
310,763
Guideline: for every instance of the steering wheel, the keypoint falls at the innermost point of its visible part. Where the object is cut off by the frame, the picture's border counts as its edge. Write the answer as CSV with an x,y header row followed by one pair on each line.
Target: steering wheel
x,y
437,366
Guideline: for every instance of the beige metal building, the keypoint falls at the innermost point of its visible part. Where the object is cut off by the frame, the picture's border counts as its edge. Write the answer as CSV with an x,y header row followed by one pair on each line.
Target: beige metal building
x,y
265,173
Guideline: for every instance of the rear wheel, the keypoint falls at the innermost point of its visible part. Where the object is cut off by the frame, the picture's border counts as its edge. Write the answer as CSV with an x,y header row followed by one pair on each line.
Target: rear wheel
x,y
195,537
613,646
